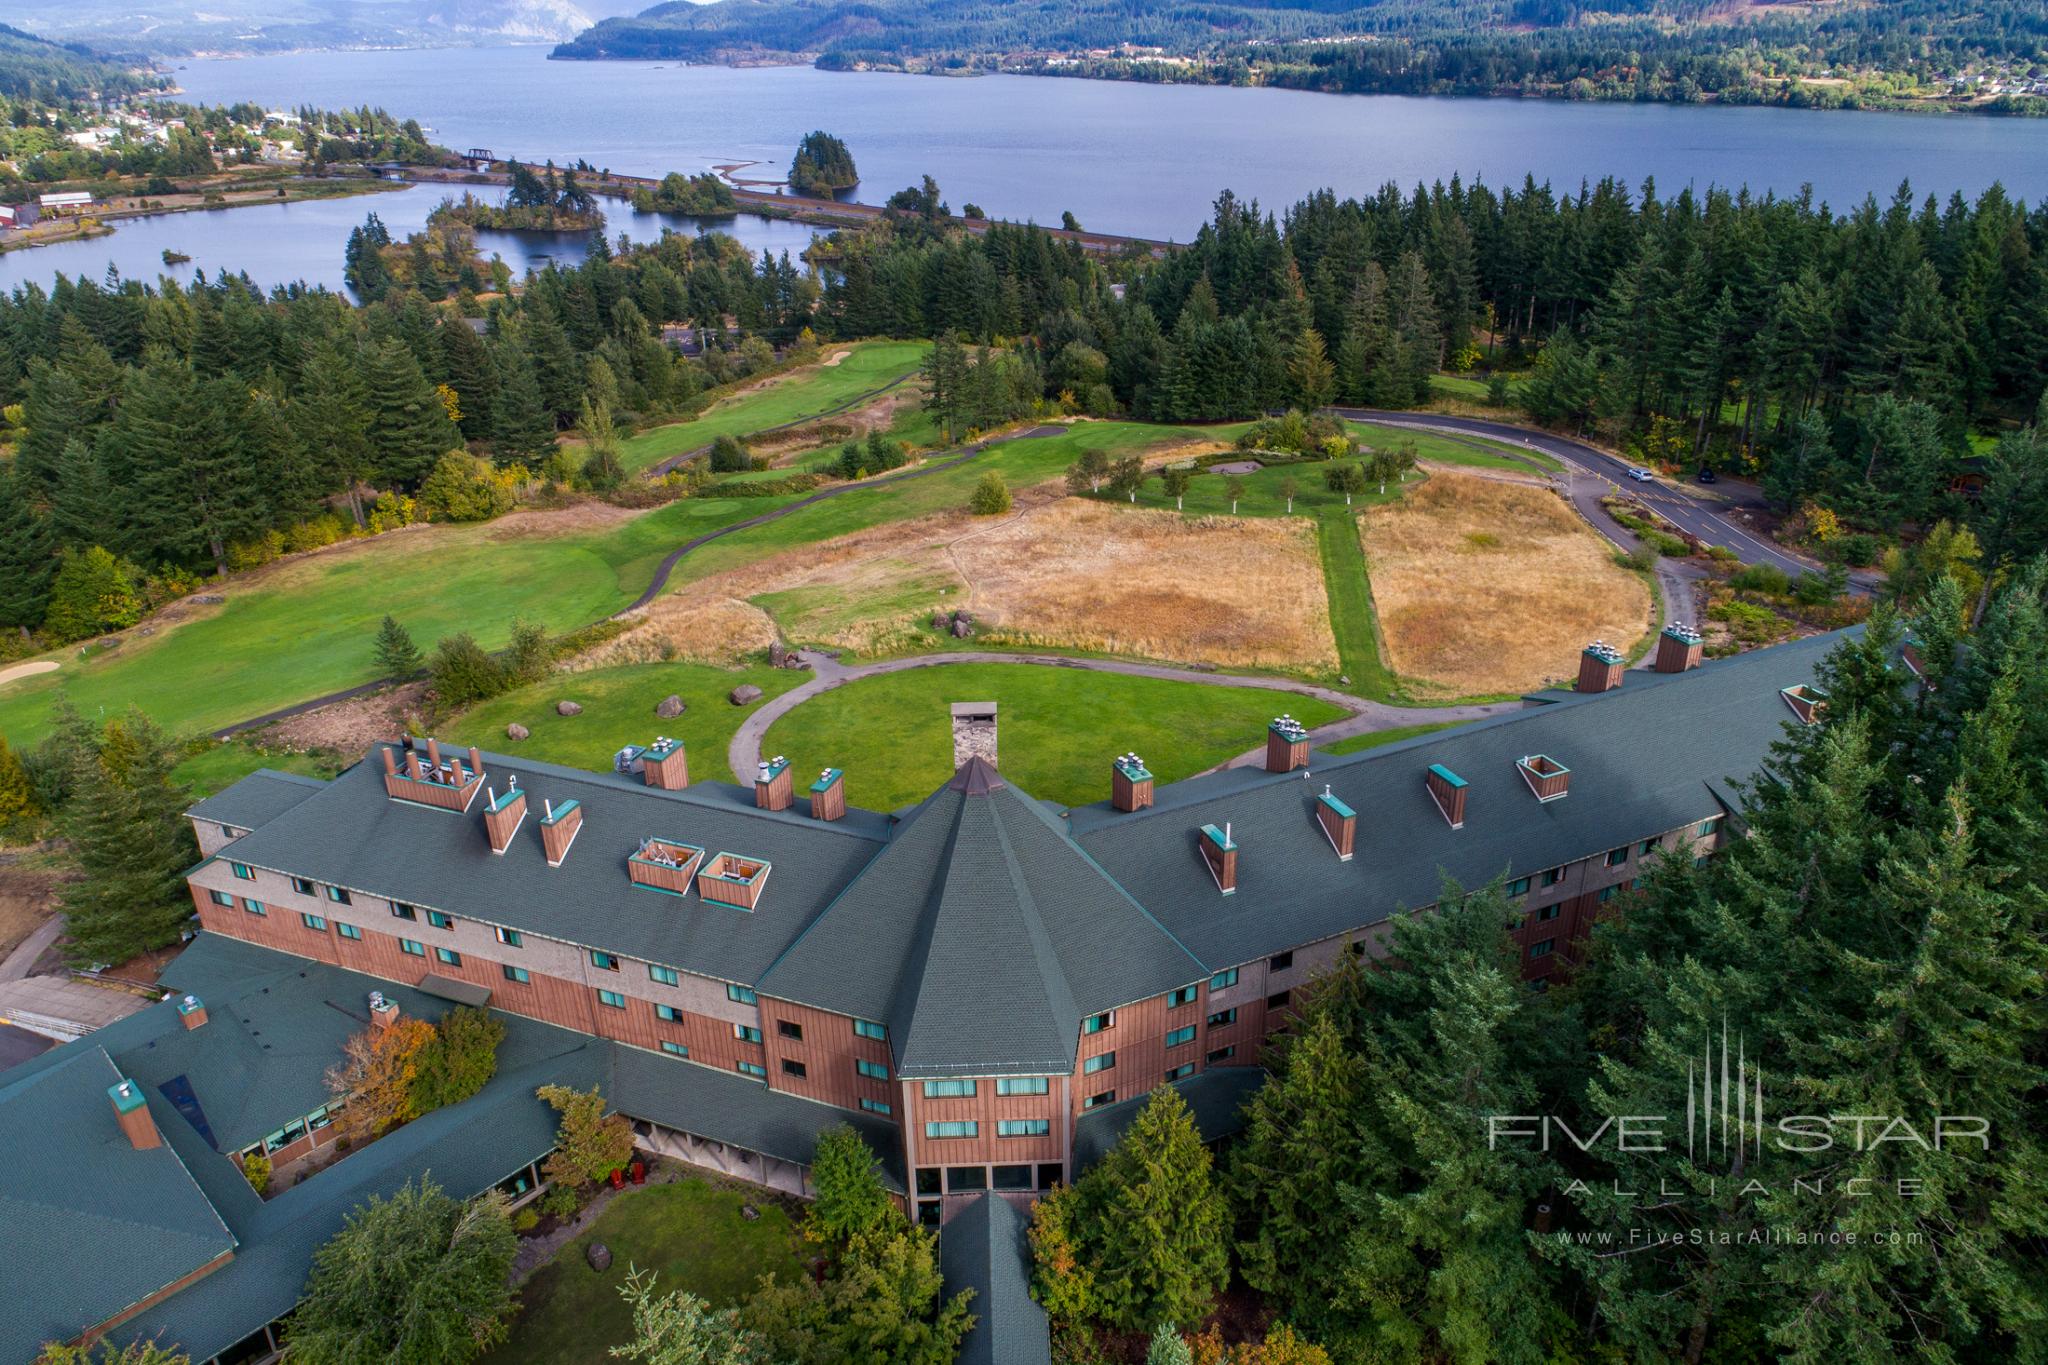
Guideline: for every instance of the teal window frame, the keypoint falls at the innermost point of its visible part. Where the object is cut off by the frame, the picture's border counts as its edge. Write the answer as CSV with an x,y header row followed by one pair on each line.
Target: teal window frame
x,y
312,921
439,920
1099,1063
1617,856
1520,886
604,961
946,1130
1023,1085
519,974
1221,1054
754,1069
667,976
1182,995
741,995
448,957
348,931
221,898
401,910
613,999
255,907
746,1033
668,1014
1543,947
339,895
874,1071
1180,1073
674,1048
1223,1017
949,1090
243,871
1099,1099
1648,846
1023,1128
1181,1036
1099,1023
875,1106
1223,980
863,1029
412,947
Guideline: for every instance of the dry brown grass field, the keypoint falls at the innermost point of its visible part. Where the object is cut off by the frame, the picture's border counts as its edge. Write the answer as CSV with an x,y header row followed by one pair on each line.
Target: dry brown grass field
x,y
1486,586
1241,592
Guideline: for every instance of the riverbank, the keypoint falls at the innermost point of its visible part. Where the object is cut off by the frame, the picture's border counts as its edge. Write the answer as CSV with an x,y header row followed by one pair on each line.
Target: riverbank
x,y
98,220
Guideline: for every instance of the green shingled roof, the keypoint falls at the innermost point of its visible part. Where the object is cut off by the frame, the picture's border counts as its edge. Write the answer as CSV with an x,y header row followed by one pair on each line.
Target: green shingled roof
x,y
257,799
983,1248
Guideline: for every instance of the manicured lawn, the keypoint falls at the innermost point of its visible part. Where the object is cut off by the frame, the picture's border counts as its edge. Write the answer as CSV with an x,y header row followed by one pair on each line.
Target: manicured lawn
x,y
690,1234
1060,728
618,709
1351,615
800,394
306,628
1359,743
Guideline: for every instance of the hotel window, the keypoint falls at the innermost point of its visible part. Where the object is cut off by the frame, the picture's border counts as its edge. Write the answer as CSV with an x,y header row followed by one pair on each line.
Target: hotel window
x,y
348,931
1184,996
412,948
1550,912
1103,1062
304,886
667,976
1224,979
1278,1000
1181,1072
949,1090
1010,1178
1553,876
243,870
337,895
1607,893
222,898
1542,949
404,911
611,998
668,1014
1519,887
1023,1127
448,957
674,1049
1096,1023
965,1179
1708,826
1176,1037
254,907
953,1128
1649,846
740,995
1617,856
876,1107
230,832
1023,1085
754,1069
874,1071
1222,1017
791,1067
604,962
862,1028
439,920
319,1118
786,1029
746,1033
1280,962
510,937
313,922
519,974
1096,1101
1221,1054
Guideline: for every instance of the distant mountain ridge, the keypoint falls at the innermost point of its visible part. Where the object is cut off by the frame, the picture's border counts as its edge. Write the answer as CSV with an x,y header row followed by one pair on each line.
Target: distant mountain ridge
x,y
182,27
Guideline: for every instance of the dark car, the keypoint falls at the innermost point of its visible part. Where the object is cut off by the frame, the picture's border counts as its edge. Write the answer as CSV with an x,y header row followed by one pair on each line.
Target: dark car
x,y
1707,476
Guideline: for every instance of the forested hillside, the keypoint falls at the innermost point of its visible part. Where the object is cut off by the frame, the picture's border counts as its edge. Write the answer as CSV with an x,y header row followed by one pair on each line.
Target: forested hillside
x,y
1877,53
36,72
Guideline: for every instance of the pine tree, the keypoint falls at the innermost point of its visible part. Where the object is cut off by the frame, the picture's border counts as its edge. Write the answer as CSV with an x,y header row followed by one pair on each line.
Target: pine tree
x,y
1310,371
28,561
408,426
124,824
851,1201
1155,1220
521,430
195,488
331,415
395,653
19,804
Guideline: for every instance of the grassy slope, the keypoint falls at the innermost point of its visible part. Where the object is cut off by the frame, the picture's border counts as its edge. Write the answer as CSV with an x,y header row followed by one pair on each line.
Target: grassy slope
x,y
1351,616
809,392
618,709
892,733
690,1234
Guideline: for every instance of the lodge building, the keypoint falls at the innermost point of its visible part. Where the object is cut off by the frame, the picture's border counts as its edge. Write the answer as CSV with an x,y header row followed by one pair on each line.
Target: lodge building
x,y
985,985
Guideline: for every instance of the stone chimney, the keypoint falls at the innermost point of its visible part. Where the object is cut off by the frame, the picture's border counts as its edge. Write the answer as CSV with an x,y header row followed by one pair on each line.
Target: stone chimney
x,y
1130,784
1678,649
559,826
1286,745
1549,779
131,1111
1339,822
828,795
383,1010
1600,667
191,1012
1447,789
663,764
503,815
974,732
773,788
1219,853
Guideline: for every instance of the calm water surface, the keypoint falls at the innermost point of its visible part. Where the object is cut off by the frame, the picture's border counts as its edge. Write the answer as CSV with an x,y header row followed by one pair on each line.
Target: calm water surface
x,y
1140,159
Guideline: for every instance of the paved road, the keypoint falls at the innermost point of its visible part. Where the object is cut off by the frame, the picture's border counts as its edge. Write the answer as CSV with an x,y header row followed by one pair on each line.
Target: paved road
x,y
743,754
22,960
1679,505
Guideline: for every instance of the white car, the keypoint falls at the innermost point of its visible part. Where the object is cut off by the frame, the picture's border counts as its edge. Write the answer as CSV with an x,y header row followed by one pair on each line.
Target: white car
x,y
1641,475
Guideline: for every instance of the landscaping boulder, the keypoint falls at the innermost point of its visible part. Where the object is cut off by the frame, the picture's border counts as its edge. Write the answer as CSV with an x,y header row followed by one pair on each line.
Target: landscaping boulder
x,y
599,1255
669,707
516,731
568,708
962,628
749,1212
208,599
744,693
941,622
778,654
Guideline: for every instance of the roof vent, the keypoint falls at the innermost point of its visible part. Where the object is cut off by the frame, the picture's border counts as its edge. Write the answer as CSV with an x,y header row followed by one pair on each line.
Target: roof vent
x,y
383,1010
1219,854
1447,789
191,1011
664,765
1678,649
772,787
559,827
1339,822
828,795
1286,745
1130,783
131,1111
1807,702
1549,779
1600,667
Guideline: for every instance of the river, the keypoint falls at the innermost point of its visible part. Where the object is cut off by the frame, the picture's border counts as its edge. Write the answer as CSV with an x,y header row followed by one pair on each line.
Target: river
x,y
1145,160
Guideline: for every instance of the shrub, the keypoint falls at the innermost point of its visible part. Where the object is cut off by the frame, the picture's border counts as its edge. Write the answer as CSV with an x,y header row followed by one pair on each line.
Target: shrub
x,y
526,1220
392,511
991,496
256,1166
463,672
1858,550
462,487
1497,391
460,1060
529,657
93,591
728,456
1761,578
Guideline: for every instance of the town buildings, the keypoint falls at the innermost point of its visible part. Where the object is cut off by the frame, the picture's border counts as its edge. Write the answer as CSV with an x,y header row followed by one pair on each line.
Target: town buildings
x,y
985,986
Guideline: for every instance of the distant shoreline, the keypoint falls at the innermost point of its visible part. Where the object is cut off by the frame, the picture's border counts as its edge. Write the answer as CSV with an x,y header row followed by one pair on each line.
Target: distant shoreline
x,y
101,220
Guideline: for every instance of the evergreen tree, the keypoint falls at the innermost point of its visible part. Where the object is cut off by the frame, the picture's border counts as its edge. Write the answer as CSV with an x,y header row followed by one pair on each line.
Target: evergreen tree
x,y
395,653
92,591
1154,1221
194,488
28,561
331,416
678,1328
521,429
408,426
884,1304
850,1201
1310,371
128,839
